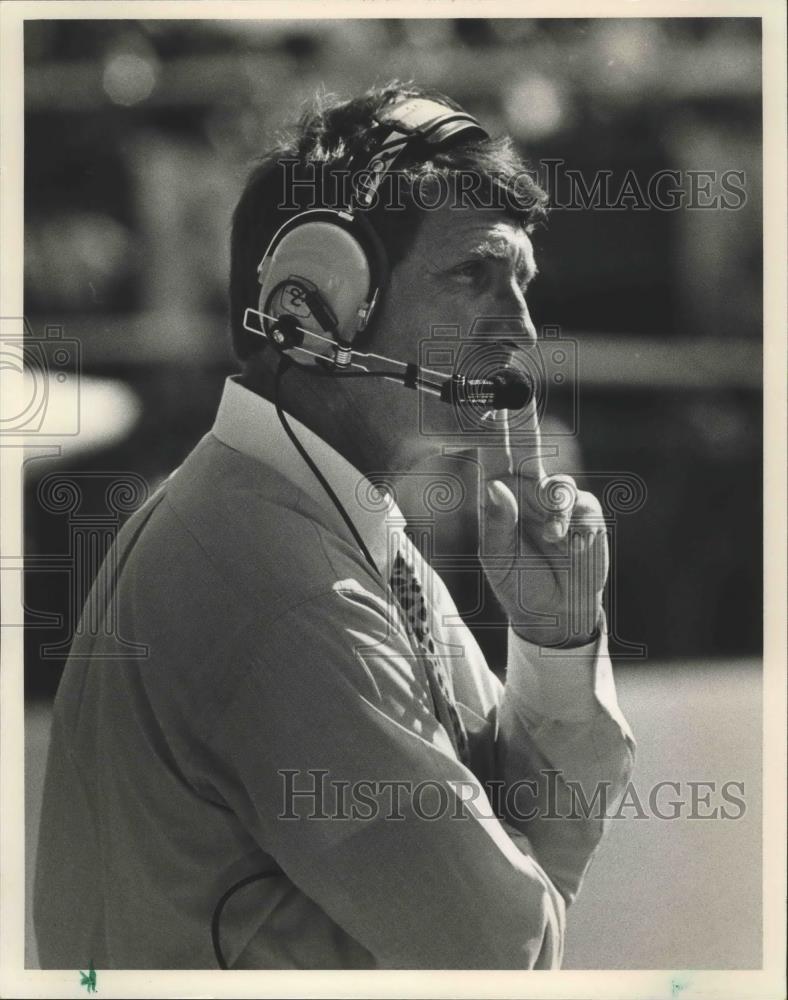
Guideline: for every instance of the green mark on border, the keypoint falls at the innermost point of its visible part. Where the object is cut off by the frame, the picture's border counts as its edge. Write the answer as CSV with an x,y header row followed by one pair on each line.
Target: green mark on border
x,y
88,979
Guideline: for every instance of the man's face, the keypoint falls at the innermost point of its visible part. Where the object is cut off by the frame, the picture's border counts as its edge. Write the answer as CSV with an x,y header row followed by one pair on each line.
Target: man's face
x,y
464,265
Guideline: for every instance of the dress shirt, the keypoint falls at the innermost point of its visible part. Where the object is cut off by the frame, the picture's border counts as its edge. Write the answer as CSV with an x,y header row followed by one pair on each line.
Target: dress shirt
x,y
279,683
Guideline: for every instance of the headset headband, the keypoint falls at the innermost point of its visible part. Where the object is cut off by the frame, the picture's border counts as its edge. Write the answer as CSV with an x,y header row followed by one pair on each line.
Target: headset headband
x,y
429,122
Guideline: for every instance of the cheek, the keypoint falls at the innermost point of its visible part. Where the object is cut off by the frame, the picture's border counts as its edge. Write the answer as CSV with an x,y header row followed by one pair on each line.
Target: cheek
x,y
413,308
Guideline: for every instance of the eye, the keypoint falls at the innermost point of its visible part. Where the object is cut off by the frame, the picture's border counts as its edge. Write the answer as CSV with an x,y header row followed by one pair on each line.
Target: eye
x,y
471,273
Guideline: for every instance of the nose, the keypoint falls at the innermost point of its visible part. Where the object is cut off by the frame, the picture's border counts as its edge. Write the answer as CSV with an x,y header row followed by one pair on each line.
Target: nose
x,y
517,333
511,306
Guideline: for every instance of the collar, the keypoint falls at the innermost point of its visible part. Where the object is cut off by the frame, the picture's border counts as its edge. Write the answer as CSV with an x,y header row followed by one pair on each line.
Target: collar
x,y
249,424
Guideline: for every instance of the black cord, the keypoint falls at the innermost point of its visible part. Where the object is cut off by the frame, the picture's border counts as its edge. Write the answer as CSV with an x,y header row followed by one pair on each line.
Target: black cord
x,y
284,364
217,912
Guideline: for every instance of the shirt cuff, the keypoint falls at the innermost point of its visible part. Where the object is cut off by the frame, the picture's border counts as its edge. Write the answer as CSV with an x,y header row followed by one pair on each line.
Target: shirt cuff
x,y
570,685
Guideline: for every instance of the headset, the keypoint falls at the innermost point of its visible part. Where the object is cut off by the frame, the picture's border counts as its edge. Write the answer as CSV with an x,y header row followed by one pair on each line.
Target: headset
x,y
326,270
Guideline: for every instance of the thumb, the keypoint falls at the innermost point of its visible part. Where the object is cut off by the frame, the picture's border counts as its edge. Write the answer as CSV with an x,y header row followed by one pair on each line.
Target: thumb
x,y
498,523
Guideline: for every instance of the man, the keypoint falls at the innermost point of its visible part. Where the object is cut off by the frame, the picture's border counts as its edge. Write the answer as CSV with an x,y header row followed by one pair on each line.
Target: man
x,y
314,767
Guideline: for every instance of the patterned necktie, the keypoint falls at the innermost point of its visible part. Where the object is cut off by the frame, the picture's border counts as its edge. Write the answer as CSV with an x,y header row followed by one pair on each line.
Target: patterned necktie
x,y
408,591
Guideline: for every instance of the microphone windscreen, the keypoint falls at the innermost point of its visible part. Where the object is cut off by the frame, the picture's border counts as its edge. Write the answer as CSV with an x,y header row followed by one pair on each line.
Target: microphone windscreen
x,y
513,391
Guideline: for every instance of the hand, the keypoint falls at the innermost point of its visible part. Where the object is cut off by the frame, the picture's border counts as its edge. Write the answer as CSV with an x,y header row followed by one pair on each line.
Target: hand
x,y
543,543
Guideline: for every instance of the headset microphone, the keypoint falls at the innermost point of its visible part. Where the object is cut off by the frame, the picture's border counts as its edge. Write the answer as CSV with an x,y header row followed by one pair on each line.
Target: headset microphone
x,y
508,390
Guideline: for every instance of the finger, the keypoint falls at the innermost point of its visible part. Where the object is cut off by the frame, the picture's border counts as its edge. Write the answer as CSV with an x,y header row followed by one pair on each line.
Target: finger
x,y
498,523
588,524
587,517
553,501
495,456
518,451
600,554
564,506
525,444
583,592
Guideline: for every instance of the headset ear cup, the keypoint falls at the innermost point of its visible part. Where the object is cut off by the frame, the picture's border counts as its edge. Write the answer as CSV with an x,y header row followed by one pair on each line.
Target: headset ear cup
x,y
262,271
377,260
319,252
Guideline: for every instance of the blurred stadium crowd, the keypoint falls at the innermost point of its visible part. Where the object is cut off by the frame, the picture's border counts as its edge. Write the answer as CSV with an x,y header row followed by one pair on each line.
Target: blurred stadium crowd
x,y
138,136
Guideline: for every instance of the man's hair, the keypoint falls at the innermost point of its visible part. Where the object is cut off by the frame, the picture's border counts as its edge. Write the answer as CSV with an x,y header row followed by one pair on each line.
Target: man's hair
x,y
317,152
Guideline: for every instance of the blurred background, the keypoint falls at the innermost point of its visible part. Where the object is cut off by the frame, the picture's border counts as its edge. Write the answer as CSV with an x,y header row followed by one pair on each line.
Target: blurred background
x,y
138,138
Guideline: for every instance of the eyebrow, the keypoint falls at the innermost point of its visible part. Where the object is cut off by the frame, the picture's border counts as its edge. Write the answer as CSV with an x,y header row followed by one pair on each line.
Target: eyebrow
x,y
500,247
